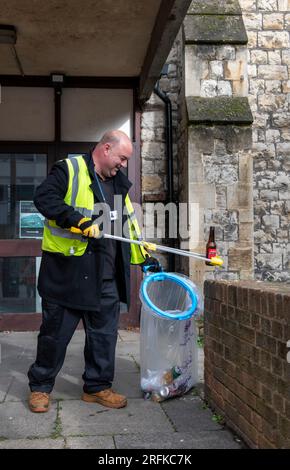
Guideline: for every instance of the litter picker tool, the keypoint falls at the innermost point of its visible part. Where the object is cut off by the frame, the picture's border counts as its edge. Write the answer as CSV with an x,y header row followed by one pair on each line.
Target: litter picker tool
x,y
214,261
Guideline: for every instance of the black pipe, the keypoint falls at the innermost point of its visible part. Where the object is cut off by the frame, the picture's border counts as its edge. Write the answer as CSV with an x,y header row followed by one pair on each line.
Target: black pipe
x,y
169,154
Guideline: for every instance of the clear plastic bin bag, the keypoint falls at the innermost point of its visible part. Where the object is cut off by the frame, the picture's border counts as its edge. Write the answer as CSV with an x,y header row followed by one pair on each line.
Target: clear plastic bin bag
x,y
168,339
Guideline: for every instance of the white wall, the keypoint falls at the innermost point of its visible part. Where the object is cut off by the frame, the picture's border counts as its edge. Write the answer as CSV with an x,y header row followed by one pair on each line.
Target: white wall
x,y
26,114
88,113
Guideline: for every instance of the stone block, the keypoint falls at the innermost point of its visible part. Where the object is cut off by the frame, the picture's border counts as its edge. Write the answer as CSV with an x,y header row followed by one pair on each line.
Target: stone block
x,y
252,71
148,166
269,261
272,103
157,134
153,119
286,86
252,20
257,87
286,57
267,5
216,69
273,72
262,150
226,53
246,233
258,56
241,258
203,194
211,7
273,21
283,149
240,87
281,120
248,5
283,5
208,88
221,174
285,134
273,40
224,88
152,183
153,150
214,29
235,69
252,39
239,195
219,110
245,168
274,57
272,86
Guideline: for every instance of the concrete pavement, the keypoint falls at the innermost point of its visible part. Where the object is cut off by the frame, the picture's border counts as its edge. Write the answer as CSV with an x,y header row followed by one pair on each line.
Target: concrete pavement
x,y
180,423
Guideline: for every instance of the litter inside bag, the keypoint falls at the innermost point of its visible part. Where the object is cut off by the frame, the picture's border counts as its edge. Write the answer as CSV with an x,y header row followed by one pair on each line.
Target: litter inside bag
x,y
168,344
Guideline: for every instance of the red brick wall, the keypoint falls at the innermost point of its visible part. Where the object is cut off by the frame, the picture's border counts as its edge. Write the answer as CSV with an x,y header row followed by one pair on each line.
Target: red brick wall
x,y
247,376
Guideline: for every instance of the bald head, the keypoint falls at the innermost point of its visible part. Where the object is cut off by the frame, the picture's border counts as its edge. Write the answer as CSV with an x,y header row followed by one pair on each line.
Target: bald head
x,y
112,153
115,137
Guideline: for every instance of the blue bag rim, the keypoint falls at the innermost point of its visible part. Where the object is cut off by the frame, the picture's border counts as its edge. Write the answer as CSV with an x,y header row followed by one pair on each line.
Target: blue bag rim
x,y
178,280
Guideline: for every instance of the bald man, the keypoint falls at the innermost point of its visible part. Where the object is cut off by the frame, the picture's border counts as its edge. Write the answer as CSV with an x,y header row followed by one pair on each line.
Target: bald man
x,y
83,276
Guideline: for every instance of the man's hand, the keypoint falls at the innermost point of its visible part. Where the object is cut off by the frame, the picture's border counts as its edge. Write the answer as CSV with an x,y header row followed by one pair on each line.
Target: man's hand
x,y
151,264
88,228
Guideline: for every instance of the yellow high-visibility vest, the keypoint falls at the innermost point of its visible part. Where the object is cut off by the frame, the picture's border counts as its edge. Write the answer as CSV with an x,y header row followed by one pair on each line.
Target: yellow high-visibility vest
x,y
80,196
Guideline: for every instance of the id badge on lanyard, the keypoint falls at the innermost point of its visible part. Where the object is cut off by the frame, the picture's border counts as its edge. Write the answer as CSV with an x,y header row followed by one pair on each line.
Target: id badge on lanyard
x,y
113,215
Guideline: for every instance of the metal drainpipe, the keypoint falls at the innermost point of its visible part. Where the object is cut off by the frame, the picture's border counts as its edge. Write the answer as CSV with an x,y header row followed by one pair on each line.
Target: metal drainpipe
x,y
169,153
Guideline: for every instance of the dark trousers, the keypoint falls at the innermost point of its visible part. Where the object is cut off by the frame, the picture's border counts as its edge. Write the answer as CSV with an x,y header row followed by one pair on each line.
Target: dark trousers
x,y
58,326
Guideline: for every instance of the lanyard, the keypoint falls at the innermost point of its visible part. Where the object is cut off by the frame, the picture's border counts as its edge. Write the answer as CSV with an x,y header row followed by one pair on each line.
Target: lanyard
x,y
113,214
100,187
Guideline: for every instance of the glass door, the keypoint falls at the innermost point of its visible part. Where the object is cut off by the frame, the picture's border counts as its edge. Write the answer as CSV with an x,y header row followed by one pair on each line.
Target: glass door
x,y
21,229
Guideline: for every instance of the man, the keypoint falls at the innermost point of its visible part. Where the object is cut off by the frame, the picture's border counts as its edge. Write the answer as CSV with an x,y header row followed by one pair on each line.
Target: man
x,y
82,275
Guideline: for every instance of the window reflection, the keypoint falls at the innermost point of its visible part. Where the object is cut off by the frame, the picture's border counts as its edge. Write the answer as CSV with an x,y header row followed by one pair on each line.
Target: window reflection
x,y
18,278
20,174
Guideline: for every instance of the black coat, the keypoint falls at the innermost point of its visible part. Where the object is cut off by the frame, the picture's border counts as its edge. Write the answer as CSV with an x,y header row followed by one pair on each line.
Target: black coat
x,y
75,281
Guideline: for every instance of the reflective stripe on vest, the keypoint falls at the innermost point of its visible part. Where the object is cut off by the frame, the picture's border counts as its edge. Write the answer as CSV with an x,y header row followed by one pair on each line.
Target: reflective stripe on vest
x,y
138,253
57,239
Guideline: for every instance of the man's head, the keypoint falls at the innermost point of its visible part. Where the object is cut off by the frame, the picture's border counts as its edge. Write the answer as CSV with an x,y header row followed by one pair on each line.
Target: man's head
x,y
113,152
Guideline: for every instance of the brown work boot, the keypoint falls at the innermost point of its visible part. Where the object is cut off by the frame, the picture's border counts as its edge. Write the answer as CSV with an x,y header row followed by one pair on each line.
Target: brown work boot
x,y
106,398
39,402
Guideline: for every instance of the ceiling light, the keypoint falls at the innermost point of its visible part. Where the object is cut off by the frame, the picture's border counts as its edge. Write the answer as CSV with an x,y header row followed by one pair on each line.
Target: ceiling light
x,y
57,77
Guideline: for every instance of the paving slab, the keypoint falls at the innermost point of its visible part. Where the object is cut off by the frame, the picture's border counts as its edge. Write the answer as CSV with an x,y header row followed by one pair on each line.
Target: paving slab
x,y
5,383
127,348
32,444
128,384
203,440
127,364
129,336
189,414
79,418
18,422
18,390
90,442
